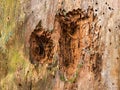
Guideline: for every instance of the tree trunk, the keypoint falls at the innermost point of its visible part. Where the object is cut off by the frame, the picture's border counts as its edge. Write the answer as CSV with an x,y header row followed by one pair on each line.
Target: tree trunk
x,y
59,45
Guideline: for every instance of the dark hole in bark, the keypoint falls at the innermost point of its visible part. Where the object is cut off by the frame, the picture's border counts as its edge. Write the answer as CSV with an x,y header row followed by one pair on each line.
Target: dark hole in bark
x,y
109,8
20,84
41,45
41,52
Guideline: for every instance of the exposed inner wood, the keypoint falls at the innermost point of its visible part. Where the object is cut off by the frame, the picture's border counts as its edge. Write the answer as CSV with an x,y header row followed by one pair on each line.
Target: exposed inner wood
x,y
41,46
78,44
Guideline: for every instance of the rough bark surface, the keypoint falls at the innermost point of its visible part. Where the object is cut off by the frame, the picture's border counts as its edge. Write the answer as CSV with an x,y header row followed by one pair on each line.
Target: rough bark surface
x,y
59,45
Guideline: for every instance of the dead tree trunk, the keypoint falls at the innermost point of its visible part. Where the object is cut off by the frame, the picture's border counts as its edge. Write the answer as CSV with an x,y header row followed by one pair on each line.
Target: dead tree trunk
x,y
60,45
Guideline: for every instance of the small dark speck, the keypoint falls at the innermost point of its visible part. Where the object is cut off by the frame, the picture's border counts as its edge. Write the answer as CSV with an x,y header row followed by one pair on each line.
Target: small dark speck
x,y
99,80
110,43
20,84
109,30
109,8
106,3
62,3
96,10
32,11
53,76
96,3
103,13
8,18
117,58
112,83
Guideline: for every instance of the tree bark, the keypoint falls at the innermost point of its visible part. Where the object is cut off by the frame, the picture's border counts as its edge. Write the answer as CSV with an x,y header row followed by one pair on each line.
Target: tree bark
x,y
59,45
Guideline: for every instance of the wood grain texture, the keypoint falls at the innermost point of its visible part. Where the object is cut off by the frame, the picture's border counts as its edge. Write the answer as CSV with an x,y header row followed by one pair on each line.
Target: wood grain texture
x,y
18,19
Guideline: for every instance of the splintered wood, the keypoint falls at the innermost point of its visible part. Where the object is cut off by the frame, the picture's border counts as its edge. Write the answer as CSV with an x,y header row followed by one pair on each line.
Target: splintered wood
x,y
78,48
41,46
78,43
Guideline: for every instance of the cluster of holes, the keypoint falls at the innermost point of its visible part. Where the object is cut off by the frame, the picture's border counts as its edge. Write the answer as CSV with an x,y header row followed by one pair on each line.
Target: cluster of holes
x,y
110,8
